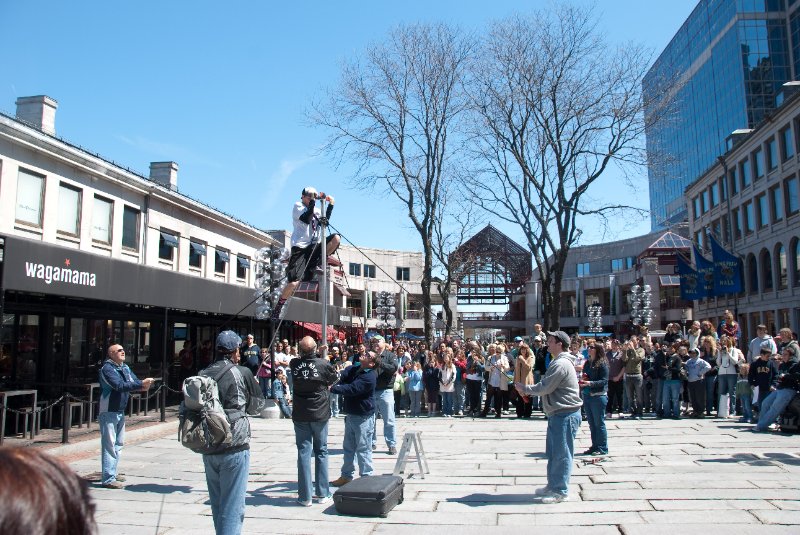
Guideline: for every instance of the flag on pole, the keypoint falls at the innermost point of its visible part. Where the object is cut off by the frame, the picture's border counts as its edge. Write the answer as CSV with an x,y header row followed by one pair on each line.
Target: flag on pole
x,y
691,285
727,270
705,269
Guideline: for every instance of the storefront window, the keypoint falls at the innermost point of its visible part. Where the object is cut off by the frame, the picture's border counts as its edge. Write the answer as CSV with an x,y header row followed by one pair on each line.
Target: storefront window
x,y
28,347
59,354
6,348
77,349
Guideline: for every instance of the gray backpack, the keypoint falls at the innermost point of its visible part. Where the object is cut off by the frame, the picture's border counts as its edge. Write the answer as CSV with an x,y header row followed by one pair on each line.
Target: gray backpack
x,y
203,426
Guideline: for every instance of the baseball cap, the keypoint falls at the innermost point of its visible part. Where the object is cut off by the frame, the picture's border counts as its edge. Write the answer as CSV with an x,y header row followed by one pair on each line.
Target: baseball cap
x,y
377,338
694,351
561,336
308,190
228,341
518,339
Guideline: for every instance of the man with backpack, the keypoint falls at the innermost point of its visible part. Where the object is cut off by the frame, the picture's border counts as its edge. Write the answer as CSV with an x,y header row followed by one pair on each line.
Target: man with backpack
x,y
228,464
312,377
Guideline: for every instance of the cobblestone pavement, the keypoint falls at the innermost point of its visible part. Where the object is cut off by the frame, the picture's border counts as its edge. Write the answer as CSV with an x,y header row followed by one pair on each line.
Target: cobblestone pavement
x,y
662,476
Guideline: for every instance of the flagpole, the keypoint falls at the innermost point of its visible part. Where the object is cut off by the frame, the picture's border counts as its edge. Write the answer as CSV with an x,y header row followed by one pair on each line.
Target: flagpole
x,y
323,289
731,238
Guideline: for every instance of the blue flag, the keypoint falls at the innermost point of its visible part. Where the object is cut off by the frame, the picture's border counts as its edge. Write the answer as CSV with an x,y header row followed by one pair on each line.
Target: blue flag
x,y
691,286
727,270
705,269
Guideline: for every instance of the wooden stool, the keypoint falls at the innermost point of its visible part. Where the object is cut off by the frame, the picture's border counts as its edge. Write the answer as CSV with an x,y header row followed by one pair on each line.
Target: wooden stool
x,y
76,405
135,398
27,413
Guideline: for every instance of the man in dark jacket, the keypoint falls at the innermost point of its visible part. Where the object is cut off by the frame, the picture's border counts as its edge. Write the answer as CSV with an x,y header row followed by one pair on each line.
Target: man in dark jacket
x,y
250,355
357,386
312,376
384,394
227,468
116,383
787,387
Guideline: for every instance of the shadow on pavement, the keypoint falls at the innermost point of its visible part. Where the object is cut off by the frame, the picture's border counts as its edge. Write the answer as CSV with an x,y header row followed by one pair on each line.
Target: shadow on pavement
x,y
159,489
752,460
480,499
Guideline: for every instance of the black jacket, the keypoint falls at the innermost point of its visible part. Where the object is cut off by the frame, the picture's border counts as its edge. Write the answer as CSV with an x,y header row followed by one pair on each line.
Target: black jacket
x,y
240,396
357,386
386,368
763,374
311,377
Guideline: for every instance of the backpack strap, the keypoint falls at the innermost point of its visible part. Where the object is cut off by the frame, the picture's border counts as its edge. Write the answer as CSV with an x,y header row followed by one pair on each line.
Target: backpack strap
x,y
224,371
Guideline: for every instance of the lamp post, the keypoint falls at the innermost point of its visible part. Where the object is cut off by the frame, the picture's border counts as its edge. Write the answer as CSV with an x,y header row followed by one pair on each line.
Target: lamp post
x,y
386,311
270,277
595,313
639,298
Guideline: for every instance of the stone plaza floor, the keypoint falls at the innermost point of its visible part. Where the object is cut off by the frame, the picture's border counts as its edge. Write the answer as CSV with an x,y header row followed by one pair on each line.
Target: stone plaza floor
x,y
661,477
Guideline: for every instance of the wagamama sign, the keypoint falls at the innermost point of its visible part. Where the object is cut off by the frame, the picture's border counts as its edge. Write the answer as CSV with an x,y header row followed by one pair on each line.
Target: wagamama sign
x,y
51,274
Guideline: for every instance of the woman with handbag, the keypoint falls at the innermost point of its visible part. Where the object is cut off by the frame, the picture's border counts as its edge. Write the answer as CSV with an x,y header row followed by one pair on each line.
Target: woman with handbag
x,y
594,383
447,379
523,373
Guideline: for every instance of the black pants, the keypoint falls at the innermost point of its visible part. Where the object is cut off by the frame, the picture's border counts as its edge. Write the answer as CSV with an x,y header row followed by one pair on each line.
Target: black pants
x,y
697,393
524,408
474,396
494,395
614,397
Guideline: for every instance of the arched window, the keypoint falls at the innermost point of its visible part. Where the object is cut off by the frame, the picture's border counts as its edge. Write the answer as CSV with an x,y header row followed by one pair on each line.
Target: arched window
x,y
795,250
782,268
752,275
766,271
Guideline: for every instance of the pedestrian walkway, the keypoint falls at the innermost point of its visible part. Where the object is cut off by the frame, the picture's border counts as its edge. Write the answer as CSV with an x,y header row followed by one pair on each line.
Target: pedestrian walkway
x,y
662,477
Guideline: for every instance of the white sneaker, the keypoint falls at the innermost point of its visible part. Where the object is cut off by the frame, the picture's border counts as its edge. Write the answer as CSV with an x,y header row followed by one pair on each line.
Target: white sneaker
x,y
326,499
555,498
303,504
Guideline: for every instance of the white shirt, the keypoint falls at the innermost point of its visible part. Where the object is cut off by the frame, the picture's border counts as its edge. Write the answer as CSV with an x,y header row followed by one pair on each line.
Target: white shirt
x,y
303,234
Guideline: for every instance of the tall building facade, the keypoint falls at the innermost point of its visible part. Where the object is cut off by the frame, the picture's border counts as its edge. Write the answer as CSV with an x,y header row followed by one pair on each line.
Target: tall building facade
x,y
722,71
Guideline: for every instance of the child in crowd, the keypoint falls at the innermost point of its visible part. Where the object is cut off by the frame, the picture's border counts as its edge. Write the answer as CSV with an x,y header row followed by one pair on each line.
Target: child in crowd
x,y
414,387
282,395
744,393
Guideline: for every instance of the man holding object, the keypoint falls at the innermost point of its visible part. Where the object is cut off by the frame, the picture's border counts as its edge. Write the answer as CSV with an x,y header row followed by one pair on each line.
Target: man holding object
x,y
562,402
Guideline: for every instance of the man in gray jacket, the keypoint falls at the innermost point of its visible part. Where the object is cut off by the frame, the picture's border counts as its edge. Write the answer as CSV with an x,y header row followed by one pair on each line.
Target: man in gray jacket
x,y
562,404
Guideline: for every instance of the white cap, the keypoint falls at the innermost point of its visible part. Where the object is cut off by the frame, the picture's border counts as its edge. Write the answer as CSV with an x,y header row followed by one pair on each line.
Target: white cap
x,y
310,191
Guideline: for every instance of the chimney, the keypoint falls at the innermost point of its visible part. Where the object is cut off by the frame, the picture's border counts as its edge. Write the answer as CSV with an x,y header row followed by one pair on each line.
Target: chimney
x,y
165,173
736,137
40,111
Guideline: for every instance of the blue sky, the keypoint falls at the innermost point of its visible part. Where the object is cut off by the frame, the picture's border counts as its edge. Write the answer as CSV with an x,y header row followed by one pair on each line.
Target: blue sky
x,y
221,88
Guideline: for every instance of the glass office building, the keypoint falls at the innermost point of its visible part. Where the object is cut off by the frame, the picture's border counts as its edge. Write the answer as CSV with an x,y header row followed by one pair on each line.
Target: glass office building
x,y
722,71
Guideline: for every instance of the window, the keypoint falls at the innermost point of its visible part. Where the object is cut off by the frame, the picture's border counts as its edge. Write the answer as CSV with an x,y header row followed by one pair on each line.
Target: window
x,y
697,211
796,267
772,153
763,211
705,201
617,264
723,184
734,181
369,271
102,214
221,259
766,270
698,238
242,265
167,243
583,269
783,269
776,199
355,269
752,274
787,143
197,251
714,194
758,163
403,274
792,196
749,218
745,172
737,224
69,209
130,228
629,262
30,192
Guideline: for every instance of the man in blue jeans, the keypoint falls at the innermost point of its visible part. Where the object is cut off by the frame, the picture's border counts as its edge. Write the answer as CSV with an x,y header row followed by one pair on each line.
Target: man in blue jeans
x,y
562,404
312,378
385,370
117,381
357,386
227,468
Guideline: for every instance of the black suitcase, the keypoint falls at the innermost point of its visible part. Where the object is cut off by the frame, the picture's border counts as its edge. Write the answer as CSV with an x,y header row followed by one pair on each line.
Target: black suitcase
x,y
369,496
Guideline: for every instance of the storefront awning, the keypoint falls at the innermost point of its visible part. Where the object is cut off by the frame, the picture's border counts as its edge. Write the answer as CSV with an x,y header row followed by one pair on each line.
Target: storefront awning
x,y
223,255
244,262
198,248
342,290
36,267
169,239
316,328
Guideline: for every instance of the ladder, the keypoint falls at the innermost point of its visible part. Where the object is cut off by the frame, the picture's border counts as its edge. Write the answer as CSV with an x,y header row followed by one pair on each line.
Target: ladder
x,y
409,438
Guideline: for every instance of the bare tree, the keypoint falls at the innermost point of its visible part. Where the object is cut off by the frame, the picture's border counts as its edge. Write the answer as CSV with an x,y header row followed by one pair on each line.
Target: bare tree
x,y
555,107
394,113
456,220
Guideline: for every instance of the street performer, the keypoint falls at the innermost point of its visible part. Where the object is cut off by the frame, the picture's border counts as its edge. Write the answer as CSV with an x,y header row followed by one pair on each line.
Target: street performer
x,y
306,254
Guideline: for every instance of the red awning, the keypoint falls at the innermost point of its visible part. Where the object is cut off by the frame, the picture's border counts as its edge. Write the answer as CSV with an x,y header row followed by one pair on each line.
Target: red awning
x,y
316,328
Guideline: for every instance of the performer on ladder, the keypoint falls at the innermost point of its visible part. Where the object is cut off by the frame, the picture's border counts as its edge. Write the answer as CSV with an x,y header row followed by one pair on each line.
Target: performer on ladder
x,y
306,254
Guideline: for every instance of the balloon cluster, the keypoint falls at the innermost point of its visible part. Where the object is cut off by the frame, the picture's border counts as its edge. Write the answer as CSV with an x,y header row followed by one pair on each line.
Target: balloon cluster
x,y
270,278
386,311
639,299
